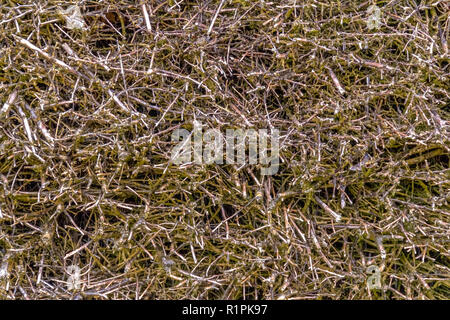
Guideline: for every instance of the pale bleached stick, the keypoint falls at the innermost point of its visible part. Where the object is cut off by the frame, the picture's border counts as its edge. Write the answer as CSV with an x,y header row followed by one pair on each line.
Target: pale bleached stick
x,y
12,97
327,209
117,100
26,124
336,81
40,125
146,18
65,66
31,46
215,17
84,246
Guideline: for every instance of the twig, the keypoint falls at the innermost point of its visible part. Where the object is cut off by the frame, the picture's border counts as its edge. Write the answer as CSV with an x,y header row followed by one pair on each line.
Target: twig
x,y
336,81
327,209
215,17
31,46
146,18
65,66
11,99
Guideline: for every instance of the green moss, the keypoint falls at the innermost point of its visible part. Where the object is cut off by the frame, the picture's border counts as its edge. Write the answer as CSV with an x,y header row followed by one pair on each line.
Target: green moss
x,y
101,193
